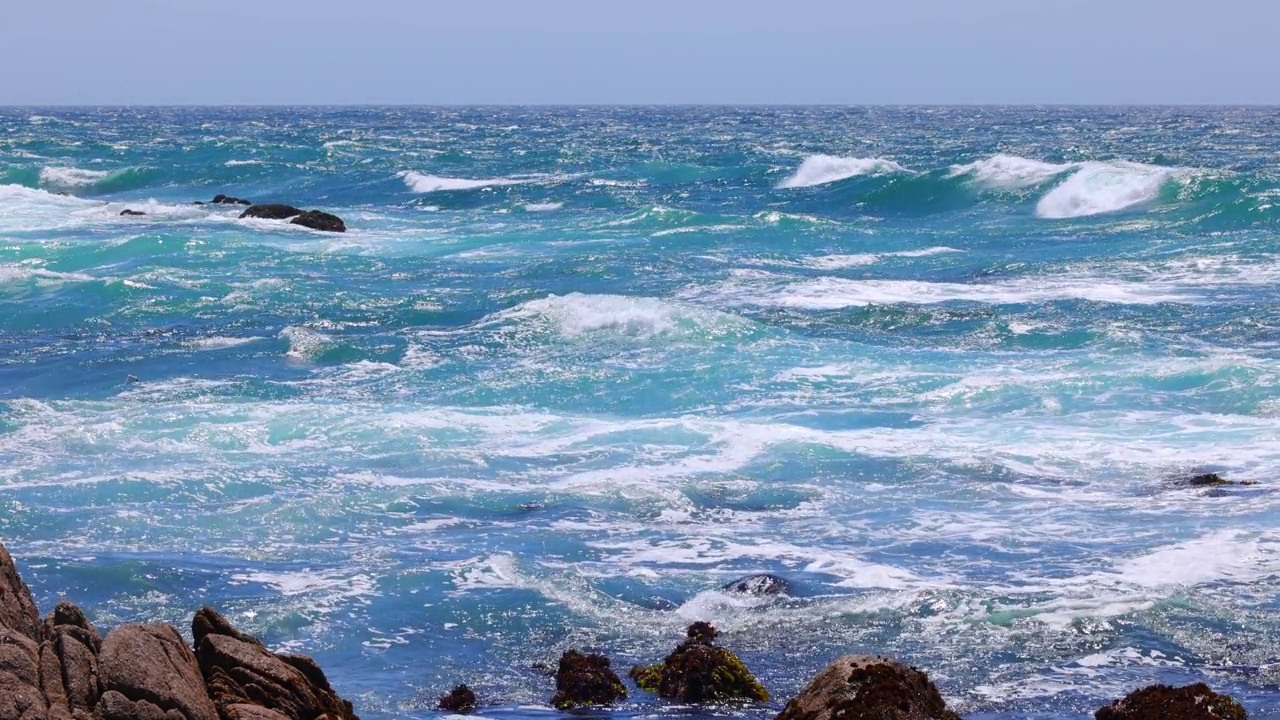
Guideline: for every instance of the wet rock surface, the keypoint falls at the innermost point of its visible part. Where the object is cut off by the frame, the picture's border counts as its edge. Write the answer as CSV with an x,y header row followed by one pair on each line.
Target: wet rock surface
x,y
758,585
698,671
1164,702
228,200
461,699
868,687
317,220
271,211
585,680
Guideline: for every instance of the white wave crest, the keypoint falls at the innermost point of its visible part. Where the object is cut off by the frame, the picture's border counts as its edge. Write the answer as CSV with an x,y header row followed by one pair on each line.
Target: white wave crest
x,y
21,273
1104,187
578,314
838,261
543,207
831,293
219,342
70,177
1010,172
305,344
423,183
823,169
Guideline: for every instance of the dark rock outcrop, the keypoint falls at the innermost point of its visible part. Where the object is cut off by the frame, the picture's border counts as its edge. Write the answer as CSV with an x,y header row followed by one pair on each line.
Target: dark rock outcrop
x,y
758,585
459,700
248,682
700,671
127,211
271,211
585,680
1164,702
227,200
149,672
317,220
1214,480
61,669
865,687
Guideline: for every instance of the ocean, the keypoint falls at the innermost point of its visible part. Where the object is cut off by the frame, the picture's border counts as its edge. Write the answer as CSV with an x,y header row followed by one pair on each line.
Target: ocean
x,y
945,370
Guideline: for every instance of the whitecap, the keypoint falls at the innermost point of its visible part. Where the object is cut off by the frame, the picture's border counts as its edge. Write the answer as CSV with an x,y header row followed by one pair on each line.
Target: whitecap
x,y
578,313
1105,187
1010,172
218,342
823,169
543,207
304,343
70,177
423,183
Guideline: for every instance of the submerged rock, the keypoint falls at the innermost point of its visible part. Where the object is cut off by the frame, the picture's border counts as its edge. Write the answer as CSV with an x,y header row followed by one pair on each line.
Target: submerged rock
x,y
1165,702
459,700
758,585
317,220
866,687
248,682
227,200
271,211
127,211
1214,480
700,671
586,680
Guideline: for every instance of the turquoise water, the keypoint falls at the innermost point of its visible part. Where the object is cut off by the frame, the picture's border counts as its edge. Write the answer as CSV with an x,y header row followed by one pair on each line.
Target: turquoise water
x,y
571,370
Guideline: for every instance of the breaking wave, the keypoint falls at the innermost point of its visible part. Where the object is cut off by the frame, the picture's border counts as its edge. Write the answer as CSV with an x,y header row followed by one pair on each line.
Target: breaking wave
x,y
823,169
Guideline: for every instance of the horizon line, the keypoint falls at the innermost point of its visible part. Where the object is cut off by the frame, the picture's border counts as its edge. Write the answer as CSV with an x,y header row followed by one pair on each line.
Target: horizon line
x,y
24,106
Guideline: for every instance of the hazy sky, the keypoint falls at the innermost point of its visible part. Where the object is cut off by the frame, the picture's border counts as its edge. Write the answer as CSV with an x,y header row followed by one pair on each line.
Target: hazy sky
x,y
625,51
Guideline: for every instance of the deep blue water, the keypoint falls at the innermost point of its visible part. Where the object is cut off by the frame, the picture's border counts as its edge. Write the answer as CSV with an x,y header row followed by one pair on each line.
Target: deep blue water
x,y
571,370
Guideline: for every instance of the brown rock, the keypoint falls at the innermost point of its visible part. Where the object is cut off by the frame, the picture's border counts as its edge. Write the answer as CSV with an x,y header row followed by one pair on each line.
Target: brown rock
x,y
459,700
150,669
20,696
19,701
69,669
585,680
865,687
17,609
1164,702
700,671
242,674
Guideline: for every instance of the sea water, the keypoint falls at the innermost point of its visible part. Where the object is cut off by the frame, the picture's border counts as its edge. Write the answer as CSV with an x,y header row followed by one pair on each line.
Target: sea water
x,y
571,370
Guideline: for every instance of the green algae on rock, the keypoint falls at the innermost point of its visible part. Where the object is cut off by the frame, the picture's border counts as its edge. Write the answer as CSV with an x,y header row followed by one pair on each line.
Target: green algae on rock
x,y
700,671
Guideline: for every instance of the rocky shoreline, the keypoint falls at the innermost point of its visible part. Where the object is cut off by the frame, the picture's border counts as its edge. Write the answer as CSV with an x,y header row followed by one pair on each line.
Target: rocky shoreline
x,y
59,667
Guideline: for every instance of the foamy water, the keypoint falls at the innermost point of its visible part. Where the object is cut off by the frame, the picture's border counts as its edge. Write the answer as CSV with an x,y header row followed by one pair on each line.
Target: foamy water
x,y
571,371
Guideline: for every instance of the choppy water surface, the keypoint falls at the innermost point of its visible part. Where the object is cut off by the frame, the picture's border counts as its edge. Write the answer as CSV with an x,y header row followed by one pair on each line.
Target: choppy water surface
x,y
571,370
